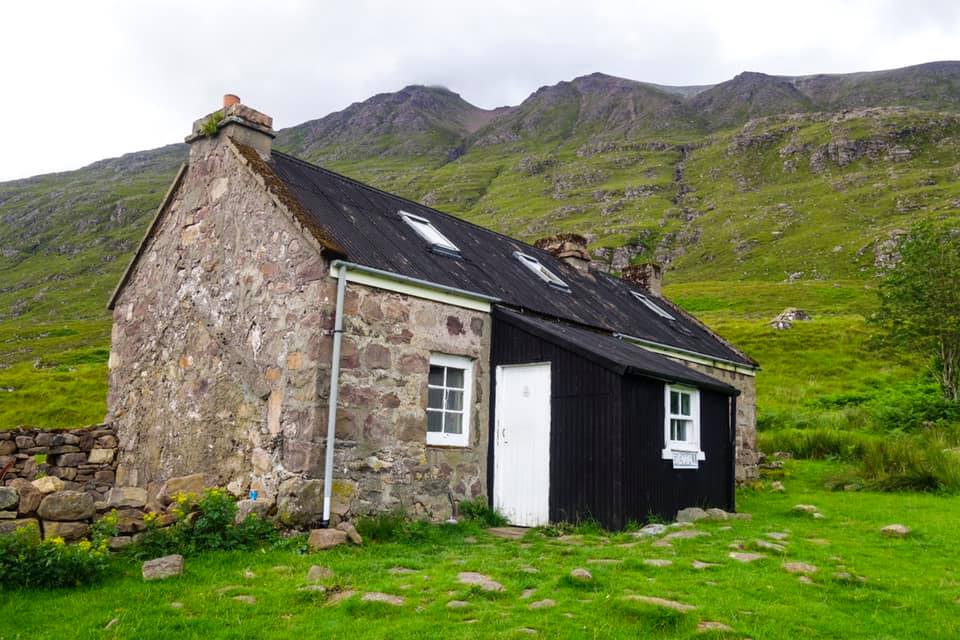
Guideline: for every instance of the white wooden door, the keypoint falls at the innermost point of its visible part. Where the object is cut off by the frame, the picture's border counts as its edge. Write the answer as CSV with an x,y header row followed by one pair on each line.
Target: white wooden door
x,y
521,480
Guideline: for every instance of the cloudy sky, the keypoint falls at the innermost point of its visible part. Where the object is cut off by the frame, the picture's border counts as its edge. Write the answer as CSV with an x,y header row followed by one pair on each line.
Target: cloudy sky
x,y
88,80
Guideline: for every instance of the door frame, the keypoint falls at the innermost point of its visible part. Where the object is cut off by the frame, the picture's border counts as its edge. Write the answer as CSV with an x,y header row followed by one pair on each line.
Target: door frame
x,y
498,379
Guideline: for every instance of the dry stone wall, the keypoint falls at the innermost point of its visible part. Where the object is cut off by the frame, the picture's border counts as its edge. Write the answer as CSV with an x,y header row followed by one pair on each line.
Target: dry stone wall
x,y
84,459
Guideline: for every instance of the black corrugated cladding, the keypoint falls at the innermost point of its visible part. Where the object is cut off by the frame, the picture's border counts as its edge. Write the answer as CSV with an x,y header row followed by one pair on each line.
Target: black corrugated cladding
x,y
606,437
650,484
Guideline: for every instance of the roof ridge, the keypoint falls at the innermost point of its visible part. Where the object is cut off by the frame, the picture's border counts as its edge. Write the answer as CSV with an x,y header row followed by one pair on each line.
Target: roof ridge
x,y
377,190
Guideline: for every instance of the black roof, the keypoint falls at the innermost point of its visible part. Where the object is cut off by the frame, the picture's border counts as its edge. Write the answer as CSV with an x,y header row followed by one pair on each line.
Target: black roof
x,y
610,352
365,222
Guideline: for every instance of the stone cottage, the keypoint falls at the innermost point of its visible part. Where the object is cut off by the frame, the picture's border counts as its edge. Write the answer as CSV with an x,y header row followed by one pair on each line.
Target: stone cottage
x,y
291,331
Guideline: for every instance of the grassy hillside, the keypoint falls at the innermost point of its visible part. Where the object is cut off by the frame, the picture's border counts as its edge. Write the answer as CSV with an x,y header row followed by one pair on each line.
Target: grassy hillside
x,y
748,215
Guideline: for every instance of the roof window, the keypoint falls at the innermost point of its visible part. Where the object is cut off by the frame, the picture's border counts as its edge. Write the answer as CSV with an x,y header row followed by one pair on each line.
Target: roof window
x,y
545,274
650,305
425,229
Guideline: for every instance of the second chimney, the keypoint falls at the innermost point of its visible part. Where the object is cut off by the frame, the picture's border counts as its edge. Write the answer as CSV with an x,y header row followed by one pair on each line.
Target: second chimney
x,y
569,247
647,276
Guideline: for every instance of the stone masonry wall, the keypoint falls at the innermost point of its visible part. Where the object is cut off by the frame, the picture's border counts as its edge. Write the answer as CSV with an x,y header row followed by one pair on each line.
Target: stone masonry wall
x,y
747,455
382,461
216,336
85,459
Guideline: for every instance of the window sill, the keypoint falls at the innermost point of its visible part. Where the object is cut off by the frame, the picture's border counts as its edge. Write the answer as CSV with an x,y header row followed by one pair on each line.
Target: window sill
x,y
667,454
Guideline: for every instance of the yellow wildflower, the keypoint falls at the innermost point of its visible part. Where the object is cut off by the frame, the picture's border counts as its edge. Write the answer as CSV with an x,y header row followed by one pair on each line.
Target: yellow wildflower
x,y
84,545
57,540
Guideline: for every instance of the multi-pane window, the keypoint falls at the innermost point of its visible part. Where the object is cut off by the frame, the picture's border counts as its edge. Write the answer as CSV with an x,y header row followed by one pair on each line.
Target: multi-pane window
x,y
448,400
681,433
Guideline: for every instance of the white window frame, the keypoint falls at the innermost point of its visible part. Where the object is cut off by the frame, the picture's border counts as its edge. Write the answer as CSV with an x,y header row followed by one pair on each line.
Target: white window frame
x,y
462,439
650,304
692,444
542,272
425,229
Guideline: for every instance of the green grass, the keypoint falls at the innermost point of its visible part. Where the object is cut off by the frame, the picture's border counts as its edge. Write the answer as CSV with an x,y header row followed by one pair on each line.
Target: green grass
x,y
911,589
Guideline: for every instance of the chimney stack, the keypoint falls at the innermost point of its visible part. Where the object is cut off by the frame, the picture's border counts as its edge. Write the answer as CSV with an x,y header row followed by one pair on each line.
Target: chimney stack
x,y
238,122
569,247
647,276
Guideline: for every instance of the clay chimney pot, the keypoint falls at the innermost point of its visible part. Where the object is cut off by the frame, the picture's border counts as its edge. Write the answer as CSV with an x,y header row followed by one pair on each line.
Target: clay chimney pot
x,y
229,100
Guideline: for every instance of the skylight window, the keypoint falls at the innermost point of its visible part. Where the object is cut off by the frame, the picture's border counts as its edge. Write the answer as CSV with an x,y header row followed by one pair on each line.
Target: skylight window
x,y
545,274
428,232
650,305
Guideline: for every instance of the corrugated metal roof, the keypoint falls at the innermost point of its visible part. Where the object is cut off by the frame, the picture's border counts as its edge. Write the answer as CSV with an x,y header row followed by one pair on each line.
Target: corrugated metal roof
x,y
611,352
366,223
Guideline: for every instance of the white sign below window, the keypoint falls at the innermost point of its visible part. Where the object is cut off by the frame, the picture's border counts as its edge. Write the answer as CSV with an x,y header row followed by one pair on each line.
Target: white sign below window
x,y
685,459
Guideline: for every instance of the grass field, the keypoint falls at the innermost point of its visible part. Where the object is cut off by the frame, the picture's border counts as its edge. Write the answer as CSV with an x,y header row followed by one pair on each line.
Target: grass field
x,y
910,587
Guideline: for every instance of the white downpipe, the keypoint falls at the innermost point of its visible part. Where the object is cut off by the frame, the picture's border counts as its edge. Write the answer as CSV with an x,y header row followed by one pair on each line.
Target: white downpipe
x,y
334,393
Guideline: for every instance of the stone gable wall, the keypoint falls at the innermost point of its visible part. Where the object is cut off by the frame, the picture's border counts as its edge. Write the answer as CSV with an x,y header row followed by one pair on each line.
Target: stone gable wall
x,y
216,336
747,454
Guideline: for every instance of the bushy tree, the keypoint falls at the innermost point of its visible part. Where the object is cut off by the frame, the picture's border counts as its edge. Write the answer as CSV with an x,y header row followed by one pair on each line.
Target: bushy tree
x,y
920,301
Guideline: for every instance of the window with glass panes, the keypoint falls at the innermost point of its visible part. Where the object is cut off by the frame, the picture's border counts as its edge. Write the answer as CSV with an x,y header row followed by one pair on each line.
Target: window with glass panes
x,y
681,415
681,429
448,400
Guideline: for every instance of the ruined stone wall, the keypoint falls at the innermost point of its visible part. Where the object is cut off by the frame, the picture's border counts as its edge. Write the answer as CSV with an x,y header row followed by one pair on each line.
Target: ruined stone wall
x,y
382,459
85,458
746,417
216,336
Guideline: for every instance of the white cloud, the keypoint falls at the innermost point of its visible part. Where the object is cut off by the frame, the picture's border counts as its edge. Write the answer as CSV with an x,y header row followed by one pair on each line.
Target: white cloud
x,y
90,80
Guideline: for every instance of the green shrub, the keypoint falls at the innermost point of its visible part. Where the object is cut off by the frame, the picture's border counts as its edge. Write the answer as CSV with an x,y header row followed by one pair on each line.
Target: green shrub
x,y
816,443
478,510
27,562
383,527
204,524
912,407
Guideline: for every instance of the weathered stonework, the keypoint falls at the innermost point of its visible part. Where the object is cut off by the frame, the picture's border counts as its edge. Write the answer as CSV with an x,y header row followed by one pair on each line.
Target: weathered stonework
x,y
216,334
746,417
222,346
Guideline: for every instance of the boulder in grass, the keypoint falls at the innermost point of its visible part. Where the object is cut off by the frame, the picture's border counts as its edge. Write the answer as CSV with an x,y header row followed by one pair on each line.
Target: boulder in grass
x,y
162,568
581,575
896,531
691,514
351,532
67,506
322,539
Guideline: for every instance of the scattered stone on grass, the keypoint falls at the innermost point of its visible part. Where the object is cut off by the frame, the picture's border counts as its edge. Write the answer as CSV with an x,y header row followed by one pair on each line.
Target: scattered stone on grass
x,y
769,546
316,588
700,566
777,486
657,562
818,516
650,531
713,513
691,514
351,531
799,567
322,539
746,557
662,544
457,604
386,598
161,568
116,543
581,575
316,573
662,602
529,569
249,575
737,545
339,596
401,571
805,508
527,630
527,593
507,533
805,580
895,531
478,579
709,625
176,605
741,516
777,535
686,534
245,599
605,561
546,603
